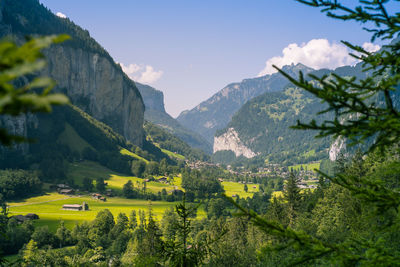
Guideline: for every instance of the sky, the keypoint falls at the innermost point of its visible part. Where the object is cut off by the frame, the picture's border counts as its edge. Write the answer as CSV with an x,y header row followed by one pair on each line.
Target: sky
x,y
190,50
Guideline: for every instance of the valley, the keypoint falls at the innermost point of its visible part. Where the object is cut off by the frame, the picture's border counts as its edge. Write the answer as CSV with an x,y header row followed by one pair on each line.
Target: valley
x,y
296,165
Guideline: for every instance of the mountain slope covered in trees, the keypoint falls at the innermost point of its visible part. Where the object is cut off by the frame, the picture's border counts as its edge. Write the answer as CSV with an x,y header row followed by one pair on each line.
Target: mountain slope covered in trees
x,y
155,113
215,113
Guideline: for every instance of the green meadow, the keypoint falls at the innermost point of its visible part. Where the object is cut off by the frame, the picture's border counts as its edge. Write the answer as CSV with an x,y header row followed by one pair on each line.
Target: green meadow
x,y
233,188
49,205
49,208
308,166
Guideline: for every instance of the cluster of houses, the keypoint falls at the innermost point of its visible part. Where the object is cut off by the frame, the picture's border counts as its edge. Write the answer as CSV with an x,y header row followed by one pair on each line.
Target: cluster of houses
x,y
27,217
163,180
65,189
98,196
200,164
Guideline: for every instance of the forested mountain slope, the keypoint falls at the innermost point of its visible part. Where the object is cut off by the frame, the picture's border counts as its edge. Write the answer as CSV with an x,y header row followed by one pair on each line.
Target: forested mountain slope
x,y
82,69
262,126
155,113
215,113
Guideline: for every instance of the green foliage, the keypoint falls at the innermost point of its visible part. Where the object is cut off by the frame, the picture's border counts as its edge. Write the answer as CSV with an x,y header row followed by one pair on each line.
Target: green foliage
x,y
18,184
16,62
182,252
354,216
200,184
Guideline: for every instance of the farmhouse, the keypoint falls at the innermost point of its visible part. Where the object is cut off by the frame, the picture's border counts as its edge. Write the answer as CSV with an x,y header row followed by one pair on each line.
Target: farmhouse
x,y
27,217
163,180
76,207
72,207
66,191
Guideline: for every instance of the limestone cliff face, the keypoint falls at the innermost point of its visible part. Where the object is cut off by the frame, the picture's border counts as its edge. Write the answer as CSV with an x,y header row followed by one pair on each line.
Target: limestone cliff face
x,y
82,68
336,148
99,87
230,141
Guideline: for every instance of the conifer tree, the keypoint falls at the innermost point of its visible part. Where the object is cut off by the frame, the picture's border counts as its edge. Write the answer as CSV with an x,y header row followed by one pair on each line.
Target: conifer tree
x,y
364,109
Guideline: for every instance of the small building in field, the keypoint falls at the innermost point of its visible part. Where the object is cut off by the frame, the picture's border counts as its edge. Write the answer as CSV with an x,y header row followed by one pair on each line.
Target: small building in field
x,y
27,217
96,195
76,207
68,191
163,180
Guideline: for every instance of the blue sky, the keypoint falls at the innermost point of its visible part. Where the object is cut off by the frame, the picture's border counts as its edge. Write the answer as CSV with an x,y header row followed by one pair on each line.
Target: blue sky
x,y
192,49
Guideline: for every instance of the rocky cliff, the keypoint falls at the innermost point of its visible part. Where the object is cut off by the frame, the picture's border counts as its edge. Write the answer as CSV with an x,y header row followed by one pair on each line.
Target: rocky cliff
x,y
99,87
230,141
153,99
82,68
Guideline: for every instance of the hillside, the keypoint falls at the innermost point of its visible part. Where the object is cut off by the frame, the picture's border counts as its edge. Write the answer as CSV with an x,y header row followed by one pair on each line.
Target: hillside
x,y
261,127
170,142
215,113
69,134
155,113
81,67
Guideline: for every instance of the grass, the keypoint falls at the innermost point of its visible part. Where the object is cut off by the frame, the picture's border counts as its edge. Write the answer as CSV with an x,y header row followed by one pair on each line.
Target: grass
x,y
48,207
309,166
79,170
126,152
116,182
233,188
72,139
172,154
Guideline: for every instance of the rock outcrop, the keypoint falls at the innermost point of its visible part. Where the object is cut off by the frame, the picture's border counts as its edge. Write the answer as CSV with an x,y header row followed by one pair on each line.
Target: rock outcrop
x,y
230,141
82,68
335,149
99,87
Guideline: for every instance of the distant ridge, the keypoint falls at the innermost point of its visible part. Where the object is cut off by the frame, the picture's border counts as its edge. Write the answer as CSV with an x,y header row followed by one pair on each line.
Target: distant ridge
x,y
216,112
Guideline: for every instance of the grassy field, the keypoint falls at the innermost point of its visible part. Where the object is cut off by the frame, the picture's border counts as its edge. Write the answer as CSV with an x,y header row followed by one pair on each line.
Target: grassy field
x,y
72,139
309,166
79,170
172,154
126,152
116,182
233,188
49,208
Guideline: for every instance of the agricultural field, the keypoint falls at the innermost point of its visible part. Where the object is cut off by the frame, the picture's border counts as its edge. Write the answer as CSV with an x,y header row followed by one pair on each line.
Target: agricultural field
x,y
233,188
308,166
49,208
116,183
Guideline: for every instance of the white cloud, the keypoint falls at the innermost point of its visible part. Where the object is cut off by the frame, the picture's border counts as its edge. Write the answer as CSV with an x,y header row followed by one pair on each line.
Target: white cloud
x,y
143,74
370,47
61,15
317,54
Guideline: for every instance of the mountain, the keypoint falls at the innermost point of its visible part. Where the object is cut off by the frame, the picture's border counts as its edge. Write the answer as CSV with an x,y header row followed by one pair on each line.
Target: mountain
x,y
82,69
261,127
68,134
215,113
167,141
155,113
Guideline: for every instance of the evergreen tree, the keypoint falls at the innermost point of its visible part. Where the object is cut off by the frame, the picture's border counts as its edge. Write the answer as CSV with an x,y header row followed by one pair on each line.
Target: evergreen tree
x,y
292,194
